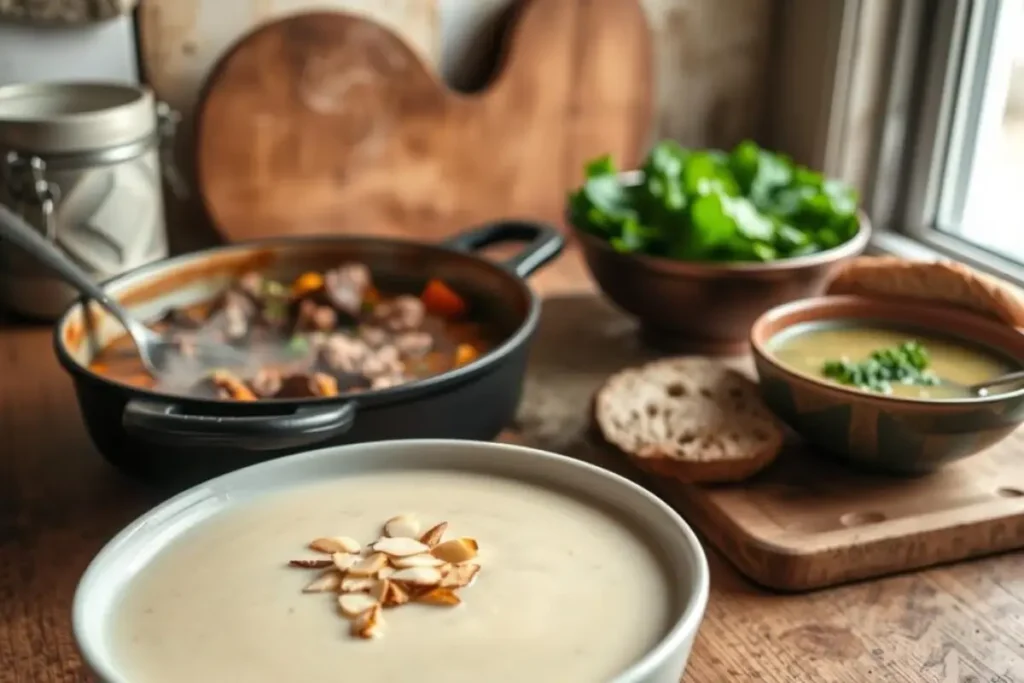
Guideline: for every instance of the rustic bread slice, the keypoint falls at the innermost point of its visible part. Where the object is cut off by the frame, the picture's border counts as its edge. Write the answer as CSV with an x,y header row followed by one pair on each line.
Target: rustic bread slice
x,y
694,419
946,282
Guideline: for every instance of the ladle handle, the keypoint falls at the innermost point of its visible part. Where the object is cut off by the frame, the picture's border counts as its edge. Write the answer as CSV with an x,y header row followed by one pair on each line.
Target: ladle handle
x,y
14,229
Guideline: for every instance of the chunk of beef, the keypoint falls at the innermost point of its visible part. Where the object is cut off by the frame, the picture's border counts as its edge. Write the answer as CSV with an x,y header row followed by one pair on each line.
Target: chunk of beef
x,y
401,314
383,361
386,381
238,311
188,318
414,343
324,319
302,385
312,316
295,386
373,335
185,344
345,287
342,353
267,382
304,315
251,284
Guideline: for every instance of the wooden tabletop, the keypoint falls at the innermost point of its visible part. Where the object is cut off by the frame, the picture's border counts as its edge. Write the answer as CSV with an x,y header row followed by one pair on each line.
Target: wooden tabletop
x,y
59,502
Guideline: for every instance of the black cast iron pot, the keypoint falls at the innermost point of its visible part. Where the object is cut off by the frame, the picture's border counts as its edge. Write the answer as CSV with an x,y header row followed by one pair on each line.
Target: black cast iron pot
x,y
180,440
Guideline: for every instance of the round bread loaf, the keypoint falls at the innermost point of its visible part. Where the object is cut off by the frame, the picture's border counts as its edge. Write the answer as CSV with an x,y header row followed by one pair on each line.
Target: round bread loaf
x,y
694,419
942,282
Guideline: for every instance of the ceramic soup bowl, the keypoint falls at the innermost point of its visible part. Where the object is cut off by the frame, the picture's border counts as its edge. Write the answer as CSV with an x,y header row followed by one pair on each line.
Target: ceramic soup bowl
x,y
892,433
200,588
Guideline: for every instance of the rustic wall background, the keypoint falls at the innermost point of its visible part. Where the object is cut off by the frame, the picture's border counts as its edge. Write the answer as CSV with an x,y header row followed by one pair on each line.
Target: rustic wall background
x,y
712,57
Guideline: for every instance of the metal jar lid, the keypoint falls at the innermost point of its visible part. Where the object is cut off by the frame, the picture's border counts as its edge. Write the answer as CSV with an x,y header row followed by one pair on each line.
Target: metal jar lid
x,y
69,118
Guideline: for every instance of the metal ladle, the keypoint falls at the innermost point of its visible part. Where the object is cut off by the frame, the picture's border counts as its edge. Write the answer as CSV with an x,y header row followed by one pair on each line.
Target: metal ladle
x,y
153,347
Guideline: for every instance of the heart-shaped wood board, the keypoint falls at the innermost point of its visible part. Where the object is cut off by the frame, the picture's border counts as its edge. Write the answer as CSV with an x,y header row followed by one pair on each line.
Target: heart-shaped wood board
x,y
329,123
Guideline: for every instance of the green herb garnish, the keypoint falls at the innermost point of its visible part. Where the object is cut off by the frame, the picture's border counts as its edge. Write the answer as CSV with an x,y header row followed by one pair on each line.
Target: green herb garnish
x,y
706,205
903,364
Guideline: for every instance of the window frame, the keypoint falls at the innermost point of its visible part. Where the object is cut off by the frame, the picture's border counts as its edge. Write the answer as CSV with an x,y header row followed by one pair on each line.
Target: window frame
x,y
922,89
956,97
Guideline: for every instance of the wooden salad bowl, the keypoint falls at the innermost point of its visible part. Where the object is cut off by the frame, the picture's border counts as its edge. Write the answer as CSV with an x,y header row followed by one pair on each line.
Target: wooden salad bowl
x,y
708,307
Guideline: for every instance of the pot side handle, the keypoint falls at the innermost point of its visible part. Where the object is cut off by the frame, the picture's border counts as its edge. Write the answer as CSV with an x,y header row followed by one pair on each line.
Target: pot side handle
x,y
543,243
166,423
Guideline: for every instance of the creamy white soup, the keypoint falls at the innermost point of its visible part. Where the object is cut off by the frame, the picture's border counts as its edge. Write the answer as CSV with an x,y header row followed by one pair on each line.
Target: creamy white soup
x,y
566,592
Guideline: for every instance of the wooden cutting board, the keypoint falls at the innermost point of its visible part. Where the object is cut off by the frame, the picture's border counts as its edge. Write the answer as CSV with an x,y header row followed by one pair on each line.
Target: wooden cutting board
x,y
328,122
806,522
809,523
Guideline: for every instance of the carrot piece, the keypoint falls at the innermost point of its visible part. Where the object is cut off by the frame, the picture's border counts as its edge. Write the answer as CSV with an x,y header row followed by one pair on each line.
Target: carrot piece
x,y
142,380
465,353
323,384
307,283
371,297
441,300
235,388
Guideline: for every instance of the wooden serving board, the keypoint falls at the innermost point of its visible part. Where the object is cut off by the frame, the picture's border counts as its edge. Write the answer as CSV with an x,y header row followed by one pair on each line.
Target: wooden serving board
x,y
807,522
328,122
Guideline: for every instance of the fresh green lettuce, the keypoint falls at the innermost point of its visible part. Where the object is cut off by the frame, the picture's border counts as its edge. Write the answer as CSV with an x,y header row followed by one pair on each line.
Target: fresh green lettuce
x,y
706,205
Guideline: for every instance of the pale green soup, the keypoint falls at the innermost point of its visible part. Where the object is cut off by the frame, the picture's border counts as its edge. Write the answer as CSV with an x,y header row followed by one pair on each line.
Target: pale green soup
x,y
806,348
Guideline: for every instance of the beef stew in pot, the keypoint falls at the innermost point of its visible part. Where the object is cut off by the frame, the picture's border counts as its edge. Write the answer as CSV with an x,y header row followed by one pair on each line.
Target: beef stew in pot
x,y
322,335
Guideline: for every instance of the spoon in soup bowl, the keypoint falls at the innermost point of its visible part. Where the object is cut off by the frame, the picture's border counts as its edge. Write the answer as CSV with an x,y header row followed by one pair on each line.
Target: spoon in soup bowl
x,y
981,389
152,346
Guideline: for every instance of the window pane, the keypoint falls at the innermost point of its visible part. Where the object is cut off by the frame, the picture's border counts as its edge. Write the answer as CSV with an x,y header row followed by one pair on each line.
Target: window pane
x,y
983,200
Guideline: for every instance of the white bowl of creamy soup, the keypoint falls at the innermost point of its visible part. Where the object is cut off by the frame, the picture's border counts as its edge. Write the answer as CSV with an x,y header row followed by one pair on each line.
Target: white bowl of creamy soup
x,y
426,561
886,384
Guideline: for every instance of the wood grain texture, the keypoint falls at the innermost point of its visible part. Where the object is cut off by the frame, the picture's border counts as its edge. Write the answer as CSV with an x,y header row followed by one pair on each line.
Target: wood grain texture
x,y
59,502
806,523
326,122
712,58
711,77
712,68
181,39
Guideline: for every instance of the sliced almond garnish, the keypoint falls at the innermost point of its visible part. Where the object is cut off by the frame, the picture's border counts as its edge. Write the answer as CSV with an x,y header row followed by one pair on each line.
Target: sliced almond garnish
x,y
344,561
434,534
354,604
456,550
400,567
400,547
418,576
439,596
327,582
336,544
402,526
390,594
309,564
423,560
459,575
369,565
369,624
357,584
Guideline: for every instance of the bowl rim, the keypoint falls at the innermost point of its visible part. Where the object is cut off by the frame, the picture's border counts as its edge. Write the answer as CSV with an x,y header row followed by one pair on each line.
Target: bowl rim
x,y
500,459
760,341
852,247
